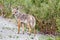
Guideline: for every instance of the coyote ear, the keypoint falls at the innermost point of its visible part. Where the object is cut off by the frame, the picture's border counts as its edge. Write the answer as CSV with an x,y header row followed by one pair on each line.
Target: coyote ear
x,y
11,8
17,8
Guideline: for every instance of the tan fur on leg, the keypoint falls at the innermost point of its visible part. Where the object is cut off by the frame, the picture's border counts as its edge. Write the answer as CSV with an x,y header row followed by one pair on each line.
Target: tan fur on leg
x,y
18,26
29,28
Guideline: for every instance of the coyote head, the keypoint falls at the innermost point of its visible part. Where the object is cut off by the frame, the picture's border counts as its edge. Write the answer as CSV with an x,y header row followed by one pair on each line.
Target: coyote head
x,y
15,11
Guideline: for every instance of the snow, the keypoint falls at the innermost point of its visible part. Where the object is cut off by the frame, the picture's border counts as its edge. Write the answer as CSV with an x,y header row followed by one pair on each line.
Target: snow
x,y
8,31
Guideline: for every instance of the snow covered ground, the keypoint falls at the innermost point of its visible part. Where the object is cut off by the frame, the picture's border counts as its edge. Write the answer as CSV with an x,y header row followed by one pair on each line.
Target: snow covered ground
x,y
8,31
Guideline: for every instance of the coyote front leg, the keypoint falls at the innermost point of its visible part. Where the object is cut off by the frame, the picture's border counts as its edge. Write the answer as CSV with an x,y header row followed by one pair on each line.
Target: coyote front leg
x,y
19,23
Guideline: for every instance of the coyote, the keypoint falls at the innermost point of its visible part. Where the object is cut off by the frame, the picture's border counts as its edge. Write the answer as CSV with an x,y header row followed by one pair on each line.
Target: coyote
x,y
23,18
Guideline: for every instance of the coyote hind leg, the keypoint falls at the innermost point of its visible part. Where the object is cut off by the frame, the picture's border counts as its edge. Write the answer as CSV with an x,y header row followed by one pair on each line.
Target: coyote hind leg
x,y
19,25
23,28
34,31
29,27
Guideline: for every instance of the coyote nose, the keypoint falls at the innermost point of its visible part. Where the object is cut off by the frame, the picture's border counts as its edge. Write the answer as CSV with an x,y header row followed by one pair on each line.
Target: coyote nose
x,y
13,14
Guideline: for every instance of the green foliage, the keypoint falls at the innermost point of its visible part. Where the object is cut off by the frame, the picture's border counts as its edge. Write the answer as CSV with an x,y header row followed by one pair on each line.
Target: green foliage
x,y
57,38
44,9
58,24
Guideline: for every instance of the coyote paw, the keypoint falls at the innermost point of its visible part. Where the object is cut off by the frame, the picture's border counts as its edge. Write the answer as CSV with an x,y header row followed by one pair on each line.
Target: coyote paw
x,y
23,32
29,34
18,33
